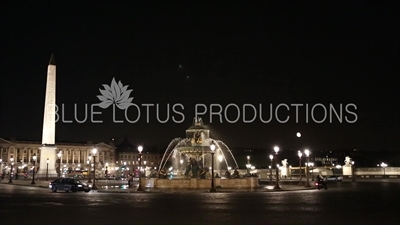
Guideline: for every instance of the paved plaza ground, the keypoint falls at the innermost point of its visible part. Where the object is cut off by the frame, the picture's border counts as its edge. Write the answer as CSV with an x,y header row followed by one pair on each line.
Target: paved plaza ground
x,y
361,202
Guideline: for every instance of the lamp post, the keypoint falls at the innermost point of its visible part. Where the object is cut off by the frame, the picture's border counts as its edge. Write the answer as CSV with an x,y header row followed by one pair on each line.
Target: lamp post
x,y
90,168
220,158
353,172
140,188
1,169
212,147
270,167
11,171
33,171
94,151
312,171
338,167
384,165
248,166
181,163
106,171
276,150
299,154
116,169
47,169
307,153
59,154
145,168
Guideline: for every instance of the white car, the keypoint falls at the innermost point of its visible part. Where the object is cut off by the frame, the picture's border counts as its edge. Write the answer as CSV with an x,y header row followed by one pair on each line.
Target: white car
x,y
334,178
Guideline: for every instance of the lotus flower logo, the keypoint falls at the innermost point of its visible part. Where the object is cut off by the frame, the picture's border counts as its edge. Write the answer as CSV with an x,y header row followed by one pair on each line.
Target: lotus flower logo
x,y
116,94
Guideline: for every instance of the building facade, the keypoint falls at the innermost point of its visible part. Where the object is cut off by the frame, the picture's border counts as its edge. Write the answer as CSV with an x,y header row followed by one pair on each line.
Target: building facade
x,y
77,157
129,159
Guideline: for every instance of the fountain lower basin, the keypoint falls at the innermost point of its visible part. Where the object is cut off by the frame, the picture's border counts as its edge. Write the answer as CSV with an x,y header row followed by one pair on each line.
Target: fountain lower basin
x,y
195,183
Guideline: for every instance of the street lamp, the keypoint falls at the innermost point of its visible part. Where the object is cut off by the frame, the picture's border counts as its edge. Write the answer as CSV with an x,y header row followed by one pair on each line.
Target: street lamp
x,y
299,154
90,168
181,169
106,171
220,158
33,173
140,149
59,154
248,166
270,167
312,171
212,147
352,171
117,171
94,151
276,150
145,168
11,171
47,169
384,165
1,169
307,153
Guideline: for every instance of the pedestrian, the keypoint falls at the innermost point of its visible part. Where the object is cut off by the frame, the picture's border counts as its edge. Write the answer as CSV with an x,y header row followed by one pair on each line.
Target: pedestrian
x,y
130,180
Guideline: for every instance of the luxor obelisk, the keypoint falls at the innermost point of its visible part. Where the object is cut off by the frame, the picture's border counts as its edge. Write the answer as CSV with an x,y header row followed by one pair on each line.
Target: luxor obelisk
x,y
48,149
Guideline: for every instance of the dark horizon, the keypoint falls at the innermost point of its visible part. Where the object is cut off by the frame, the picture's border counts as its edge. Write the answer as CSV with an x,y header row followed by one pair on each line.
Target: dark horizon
x,y
206,53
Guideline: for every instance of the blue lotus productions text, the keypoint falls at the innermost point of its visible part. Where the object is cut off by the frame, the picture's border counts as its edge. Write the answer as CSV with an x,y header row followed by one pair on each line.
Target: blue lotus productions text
x,y
215,113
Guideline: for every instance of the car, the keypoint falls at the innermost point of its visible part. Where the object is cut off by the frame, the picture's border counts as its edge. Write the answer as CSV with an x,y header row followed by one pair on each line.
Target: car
x,y
68,185
78,176
334,178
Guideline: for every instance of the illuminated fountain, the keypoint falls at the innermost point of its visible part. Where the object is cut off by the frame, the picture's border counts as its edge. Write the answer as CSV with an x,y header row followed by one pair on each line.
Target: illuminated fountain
x,y
189,157
186,163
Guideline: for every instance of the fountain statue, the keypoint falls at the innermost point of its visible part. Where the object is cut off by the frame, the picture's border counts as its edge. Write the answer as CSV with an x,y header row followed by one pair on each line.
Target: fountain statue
x,y
347,168
190,157
347,161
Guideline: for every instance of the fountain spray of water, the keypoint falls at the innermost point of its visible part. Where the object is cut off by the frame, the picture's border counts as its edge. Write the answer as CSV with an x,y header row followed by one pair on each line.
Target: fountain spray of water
x,y
172,152
170,147
228,150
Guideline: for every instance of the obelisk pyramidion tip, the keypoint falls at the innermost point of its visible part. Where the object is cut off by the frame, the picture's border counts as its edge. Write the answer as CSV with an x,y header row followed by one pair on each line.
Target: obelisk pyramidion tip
x,y
52,61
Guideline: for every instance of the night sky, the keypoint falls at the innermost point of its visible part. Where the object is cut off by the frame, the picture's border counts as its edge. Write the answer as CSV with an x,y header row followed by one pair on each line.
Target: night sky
x,y
265,53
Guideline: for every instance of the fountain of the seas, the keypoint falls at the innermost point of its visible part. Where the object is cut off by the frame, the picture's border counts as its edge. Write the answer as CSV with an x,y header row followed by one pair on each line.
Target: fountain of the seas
x,y
186,163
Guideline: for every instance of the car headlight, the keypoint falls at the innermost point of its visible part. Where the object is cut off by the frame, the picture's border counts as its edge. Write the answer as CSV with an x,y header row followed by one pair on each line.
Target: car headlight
x,y
50,186
79,185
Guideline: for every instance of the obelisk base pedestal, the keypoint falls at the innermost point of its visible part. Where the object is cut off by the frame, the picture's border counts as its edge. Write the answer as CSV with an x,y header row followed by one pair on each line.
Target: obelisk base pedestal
x,y
47,152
